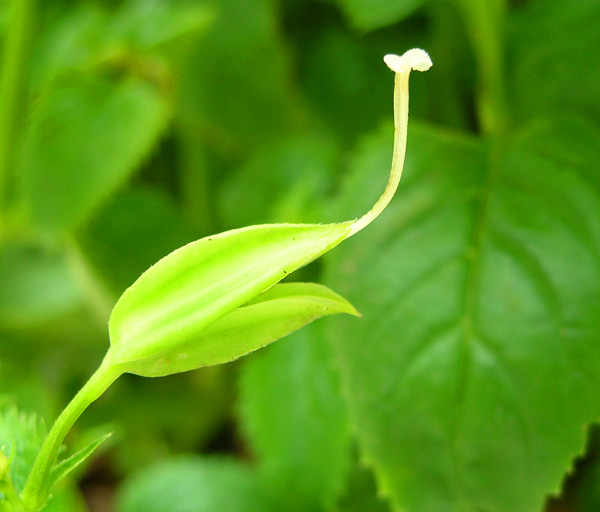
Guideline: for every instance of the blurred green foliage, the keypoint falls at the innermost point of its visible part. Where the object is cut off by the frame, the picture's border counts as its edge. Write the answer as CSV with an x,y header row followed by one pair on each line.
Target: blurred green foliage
x,y
131,127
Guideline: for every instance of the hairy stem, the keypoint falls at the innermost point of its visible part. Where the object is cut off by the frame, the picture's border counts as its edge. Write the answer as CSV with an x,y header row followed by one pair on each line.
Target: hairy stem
x,y
36,488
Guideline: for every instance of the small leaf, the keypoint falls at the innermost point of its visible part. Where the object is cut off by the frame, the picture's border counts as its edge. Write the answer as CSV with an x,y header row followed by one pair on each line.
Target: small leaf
x,y
21,437
66,466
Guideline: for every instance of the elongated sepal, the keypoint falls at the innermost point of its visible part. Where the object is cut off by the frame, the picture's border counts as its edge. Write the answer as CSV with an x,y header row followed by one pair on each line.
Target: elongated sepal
x,y
267,318
67,466
174,301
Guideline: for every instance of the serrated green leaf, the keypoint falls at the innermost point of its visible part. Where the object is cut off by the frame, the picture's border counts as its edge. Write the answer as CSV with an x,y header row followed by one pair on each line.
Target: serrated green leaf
x,y
296,421
21,436
66,466
174,301
85,137
194,484
474,371
267,318
373,14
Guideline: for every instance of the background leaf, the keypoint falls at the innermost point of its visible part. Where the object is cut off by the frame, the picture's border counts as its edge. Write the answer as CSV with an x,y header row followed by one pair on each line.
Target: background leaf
x,y
295,419
113,123
555,74
480,301
372,14
130,233
37,285
194,484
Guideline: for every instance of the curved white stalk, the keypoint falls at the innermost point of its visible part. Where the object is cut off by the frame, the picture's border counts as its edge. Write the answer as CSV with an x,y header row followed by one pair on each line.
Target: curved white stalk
x,y
402,66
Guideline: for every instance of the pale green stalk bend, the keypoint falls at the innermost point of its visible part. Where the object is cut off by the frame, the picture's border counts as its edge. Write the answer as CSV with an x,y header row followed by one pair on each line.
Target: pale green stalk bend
x,y
178,315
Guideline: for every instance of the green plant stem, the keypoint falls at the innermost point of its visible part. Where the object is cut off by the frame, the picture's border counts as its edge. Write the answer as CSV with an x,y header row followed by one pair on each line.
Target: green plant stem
x,y
36,491
20,22
485,22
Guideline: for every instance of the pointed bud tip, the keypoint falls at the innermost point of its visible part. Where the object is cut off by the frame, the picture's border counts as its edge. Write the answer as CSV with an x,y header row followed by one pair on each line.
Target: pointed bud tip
x,y
412,59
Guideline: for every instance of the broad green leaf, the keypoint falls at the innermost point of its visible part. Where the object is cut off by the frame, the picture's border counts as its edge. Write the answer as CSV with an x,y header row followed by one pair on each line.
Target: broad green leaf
x,y
37,285
172,303
85,137
66,466
132,231
373,14
194,484
23,433
270,316
295,419
552,74
474,371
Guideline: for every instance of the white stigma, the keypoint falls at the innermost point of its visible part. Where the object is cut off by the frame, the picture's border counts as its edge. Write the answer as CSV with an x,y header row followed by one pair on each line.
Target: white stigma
x,y
412,59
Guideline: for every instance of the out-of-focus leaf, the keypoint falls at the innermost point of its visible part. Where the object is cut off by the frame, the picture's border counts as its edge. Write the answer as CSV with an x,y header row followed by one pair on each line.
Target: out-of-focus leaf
x,y
194,484
172,303
554,46
85,137
480,290
35,286
361,493
130,233
373,14
23,433
74,42
287,180
296,421
147,24
66,499
236,83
